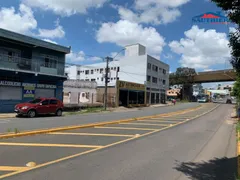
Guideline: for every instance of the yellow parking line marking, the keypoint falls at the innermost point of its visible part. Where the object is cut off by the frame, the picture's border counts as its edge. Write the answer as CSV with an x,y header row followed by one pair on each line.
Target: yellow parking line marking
x,y
146,124
13,168
49,145
127,128
92,134
159,121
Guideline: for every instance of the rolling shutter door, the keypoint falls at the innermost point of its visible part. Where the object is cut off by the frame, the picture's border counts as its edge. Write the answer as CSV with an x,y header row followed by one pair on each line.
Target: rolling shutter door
x,y
44,93
10,93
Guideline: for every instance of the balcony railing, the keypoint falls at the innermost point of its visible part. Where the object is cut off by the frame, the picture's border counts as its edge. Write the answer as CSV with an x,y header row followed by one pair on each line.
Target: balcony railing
x,y
31,65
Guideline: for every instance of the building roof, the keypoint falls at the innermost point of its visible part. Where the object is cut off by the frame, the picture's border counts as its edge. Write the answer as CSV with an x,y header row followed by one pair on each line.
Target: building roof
x,y
33,41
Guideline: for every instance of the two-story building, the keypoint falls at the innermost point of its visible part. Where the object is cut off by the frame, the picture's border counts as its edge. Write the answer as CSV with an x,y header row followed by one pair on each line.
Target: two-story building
x,y
29,68
136,66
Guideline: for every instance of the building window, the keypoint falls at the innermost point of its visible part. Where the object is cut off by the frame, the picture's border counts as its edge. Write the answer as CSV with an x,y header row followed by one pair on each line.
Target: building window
x,y
115,68
92,71
111,68
66,74
149,66
148,78
114,78
86,79
117,78
154,68
78,72
164,82
93,79
87,72
101,70
154,79
118,69
111,79
164,71
97,69
101,79
97,78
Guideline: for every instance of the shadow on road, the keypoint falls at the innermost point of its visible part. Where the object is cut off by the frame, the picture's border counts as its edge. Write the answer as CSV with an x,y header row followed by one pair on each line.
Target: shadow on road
x,y
215,169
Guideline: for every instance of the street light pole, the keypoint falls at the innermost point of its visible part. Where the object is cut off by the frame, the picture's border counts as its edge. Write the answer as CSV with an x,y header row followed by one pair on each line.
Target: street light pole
x,y
108,59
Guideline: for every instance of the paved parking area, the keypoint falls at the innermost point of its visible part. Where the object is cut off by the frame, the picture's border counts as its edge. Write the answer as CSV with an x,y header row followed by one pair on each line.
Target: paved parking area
x,y
54,147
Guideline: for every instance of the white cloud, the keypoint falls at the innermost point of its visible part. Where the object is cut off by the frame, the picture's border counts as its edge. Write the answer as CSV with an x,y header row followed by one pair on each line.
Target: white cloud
x,y
167,56
66,7
80,56
202,48
117,55
125,32
21,21
50,41
152,11
58,32
89,21
232,30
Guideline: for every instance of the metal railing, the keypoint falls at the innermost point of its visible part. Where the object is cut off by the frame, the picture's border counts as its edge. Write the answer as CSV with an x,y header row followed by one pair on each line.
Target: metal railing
x,y
51,67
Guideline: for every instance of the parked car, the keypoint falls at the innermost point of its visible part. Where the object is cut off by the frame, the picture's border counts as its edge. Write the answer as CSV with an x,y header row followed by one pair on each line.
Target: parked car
x,y
40,106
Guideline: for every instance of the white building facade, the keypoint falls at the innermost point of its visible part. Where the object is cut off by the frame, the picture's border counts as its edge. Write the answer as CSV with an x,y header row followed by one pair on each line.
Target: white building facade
x,y
136,66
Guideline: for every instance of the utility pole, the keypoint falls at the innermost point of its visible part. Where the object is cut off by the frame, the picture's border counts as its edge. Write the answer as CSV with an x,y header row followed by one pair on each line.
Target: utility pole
x,y
108,59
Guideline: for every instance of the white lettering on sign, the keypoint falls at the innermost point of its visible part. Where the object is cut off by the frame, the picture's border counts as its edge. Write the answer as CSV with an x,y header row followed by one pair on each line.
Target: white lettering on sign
x,y
46,86
28,84
9,83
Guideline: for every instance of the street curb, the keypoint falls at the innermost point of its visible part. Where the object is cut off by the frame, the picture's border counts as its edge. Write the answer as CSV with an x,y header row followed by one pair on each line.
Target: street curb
x,y
45,131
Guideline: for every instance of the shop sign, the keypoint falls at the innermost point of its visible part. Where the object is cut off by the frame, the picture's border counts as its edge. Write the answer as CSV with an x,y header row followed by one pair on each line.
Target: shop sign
x,y
29,91
10,83
130,85
47,86
19,84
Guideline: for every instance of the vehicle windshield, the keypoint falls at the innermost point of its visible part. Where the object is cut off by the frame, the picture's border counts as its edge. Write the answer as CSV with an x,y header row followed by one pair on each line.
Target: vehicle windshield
x,y
35,101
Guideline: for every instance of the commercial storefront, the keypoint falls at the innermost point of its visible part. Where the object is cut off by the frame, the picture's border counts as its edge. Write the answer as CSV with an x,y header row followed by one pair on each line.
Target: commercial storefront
x,y
22,87
130,94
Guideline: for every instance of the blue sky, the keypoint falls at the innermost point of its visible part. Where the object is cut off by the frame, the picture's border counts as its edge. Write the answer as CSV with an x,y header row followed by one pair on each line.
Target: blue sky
x,y
102,27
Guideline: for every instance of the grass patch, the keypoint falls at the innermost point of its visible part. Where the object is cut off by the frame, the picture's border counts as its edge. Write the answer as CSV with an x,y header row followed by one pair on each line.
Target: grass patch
x,y
87,110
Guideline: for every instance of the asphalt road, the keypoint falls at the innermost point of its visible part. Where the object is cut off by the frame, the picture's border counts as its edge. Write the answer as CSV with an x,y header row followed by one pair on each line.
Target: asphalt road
x,y
49,122
201,149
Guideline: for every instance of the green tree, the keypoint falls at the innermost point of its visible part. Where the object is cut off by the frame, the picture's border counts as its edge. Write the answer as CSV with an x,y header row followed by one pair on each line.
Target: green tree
x,y
232,8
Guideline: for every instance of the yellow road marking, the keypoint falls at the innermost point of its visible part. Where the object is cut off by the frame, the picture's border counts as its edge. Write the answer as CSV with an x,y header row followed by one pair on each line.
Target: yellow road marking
x,y
92,150
160,121
127,128
13,168
49,145
93,134
168,119
146,124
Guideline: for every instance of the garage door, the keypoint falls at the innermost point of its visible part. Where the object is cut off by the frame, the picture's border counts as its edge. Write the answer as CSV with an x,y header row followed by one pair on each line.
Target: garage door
x,y
44,93
10,93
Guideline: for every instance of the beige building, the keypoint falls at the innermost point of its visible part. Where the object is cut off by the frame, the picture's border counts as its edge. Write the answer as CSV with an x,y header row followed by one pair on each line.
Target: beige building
x,y
78,92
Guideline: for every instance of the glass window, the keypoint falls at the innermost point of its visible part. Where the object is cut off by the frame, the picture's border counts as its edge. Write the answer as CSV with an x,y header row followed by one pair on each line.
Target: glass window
x,y
164,82
118,69
115,68
93,79
87,72
149,66
101,70
111,68
78,72
46,102
164,71
53,101
92,71
35,101
154,79
148,78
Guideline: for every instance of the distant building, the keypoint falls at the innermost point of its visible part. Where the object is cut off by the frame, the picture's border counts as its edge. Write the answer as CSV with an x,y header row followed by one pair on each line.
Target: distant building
x,y
135,67
197,89
77,92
